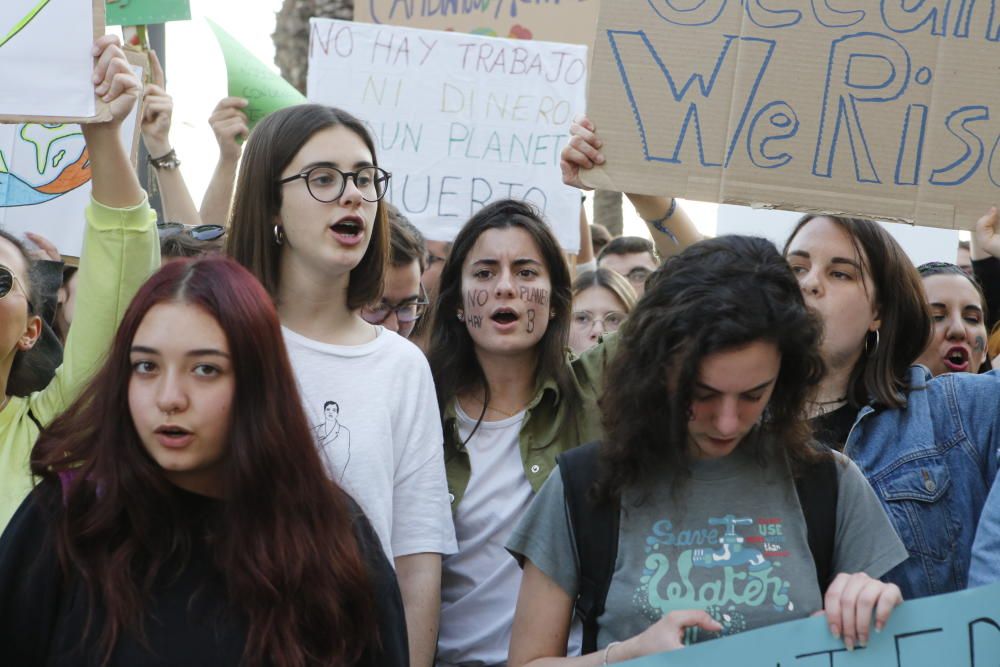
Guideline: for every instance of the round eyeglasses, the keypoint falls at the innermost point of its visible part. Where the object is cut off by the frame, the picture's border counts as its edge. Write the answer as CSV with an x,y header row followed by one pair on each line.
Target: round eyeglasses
x,y
326,184
407,312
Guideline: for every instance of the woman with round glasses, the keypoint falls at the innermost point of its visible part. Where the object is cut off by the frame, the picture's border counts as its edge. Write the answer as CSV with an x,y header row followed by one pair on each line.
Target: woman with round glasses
x,y
119,252
309,222
602,300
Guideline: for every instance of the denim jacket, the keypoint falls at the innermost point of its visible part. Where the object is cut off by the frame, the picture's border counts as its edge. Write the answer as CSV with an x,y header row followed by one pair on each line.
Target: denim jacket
x,y
932,465
549,427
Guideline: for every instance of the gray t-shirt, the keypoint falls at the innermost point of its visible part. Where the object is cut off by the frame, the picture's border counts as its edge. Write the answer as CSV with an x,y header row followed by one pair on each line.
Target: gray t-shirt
x,y
730,540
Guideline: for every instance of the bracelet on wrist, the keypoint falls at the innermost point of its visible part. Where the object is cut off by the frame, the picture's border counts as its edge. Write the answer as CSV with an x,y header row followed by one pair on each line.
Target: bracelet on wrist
x,y
659,222
607,652
168,161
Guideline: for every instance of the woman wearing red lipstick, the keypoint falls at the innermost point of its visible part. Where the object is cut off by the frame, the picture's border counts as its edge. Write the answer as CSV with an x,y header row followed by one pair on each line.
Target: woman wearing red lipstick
x,y
698,475
184,517
308,222
958,310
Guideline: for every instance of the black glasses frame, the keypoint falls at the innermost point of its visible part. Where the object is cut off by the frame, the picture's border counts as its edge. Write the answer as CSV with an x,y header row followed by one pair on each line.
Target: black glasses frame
x,y
380,175
422,302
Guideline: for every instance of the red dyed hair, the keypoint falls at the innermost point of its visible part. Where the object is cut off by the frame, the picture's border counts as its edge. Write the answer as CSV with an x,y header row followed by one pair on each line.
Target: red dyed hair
x,y
284,540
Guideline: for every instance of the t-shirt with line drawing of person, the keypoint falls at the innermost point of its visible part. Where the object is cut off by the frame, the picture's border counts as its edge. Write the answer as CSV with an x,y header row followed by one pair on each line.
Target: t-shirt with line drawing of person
x,y
334,438
394,464
730,540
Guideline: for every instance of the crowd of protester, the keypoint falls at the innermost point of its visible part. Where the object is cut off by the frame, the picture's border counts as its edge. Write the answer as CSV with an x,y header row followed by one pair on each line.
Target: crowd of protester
x,y
284,428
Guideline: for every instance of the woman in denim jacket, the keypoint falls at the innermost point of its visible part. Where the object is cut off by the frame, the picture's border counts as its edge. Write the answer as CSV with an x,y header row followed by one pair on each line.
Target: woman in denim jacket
x,y
928,446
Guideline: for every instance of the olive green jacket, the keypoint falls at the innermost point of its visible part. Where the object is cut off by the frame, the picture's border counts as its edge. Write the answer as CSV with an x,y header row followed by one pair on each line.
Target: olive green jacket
x,y
550,425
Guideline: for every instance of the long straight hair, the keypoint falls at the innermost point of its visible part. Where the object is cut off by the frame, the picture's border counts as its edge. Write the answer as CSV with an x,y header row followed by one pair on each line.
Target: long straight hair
x,y
283,538
881,375
272,145
452,353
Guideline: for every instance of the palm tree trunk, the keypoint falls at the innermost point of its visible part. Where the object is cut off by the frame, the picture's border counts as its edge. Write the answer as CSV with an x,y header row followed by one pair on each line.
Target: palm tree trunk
x,y
291,34
608,210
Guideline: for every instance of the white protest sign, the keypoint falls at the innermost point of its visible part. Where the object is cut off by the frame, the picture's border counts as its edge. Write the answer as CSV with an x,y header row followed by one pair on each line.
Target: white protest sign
x,y
45,178
45,58
460,120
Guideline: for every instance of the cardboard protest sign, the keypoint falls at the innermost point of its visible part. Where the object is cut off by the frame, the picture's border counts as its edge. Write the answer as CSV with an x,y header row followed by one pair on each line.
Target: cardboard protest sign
x,y
46,62
887,110
959,630
45,176
147,12
459,120
251,79
569,21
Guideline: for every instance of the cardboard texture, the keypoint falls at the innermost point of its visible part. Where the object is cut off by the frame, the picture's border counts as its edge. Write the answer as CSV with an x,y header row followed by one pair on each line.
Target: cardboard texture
x,y
459,120
251,79
570,21
890,111
958,629
49,50
147,12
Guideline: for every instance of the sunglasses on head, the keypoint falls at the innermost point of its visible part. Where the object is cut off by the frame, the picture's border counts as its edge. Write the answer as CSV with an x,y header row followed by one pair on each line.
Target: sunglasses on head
x,y
7,280
197,232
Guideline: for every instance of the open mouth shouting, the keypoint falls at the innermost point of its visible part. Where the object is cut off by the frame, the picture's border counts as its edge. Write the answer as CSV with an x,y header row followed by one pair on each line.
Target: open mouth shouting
x,y
505,319
349,230
957,359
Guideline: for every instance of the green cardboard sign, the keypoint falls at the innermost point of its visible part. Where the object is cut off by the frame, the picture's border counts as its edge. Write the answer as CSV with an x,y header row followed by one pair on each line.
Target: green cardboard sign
x,y
254,81
147,12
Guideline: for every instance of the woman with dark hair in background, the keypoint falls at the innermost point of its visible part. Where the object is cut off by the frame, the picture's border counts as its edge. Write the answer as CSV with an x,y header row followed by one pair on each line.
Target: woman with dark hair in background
x,y
197,526
705,437
959,313
929,446
309,222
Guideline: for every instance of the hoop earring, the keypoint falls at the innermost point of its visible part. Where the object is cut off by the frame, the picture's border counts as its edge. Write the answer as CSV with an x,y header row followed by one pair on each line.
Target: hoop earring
x,y
279,235
461,316
870,350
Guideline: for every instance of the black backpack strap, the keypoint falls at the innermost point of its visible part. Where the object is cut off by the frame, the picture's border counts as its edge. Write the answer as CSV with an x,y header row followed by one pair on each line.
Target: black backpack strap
x,y
595,535
817,488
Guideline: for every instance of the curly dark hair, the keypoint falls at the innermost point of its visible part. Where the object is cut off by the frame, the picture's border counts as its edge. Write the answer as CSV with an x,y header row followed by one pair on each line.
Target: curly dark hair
x,y
716,295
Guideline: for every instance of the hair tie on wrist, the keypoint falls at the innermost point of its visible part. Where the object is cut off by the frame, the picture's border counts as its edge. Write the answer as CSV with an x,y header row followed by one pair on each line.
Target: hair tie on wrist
x,y
658,223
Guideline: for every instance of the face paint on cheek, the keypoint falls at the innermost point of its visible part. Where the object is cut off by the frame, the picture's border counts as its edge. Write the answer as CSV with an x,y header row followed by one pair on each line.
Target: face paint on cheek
x,y
475,321
476,297
537,295
531,320
980,344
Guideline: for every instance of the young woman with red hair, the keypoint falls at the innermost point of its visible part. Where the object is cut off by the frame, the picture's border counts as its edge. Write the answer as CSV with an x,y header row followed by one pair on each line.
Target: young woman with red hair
x,y
197,526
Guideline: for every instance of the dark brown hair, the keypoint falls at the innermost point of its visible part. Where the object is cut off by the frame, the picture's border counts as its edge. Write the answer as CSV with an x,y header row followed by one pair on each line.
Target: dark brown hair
x,y
716,295
882,375
406,243
272,145
628,245
282,538
452,353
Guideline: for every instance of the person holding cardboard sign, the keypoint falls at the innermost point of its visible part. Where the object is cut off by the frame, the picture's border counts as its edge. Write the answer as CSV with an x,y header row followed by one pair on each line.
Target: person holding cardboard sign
x,y
706,509
120,251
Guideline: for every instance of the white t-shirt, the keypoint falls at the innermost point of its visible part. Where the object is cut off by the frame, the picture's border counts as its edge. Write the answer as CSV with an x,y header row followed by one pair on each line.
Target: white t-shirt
x,y
376,421
479,584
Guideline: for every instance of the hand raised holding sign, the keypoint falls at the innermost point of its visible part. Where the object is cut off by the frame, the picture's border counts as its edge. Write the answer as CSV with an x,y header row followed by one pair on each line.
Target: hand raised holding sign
x,y
582,152
114,81
987,232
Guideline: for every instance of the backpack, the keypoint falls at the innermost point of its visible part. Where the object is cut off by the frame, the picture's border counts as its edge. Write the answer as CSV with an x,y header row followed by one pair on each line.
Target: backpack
x,y
597,543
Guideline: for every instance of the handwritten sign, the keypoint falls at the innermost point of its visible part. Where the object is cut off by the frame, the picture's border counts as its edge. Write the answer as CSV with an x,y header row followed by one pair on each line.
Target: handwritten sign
x,y
959,630
570,21
251,79
459,120
886,109
147,12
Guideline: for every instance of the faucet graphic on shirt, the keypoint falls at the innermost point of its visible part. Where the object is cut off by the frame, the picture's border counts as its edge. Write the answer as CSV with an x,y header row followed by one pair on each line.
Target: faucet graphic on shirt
x,y
732,552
